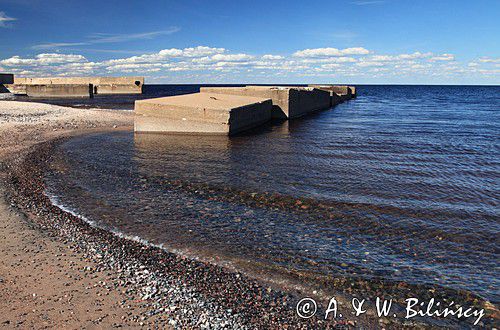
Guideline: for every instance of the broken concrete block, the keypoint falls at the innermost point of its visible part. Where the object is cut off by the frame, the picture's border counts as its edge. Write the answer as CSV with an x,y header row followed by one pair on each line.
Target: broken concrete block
x,y
201,113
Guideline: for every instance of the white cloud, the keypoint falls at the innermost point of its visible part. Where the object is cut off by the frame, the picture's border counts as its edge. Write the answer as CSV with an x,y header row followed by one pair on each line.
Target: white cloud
x,y
489,60
443,57
172,52
216,62
166,54
232,57
104,38
4,19
369,63
101,38
341,59
272,57
326,52
420,66
330,66
399,57
413,56
383,58
17,61
201,51
489,72
136,67
54,58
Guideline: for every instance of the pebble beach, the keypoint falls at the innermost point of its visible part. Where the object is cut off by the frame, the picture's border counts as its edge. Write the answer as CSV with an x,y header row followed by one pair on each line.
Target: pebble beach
x,y
58,270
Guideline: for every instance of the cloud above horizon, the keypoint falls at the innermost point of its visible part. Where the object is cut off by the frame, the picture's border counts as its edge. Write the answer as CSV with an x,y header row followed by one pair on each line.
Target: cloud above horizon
x,y
4,19
104,38
329,52
217,64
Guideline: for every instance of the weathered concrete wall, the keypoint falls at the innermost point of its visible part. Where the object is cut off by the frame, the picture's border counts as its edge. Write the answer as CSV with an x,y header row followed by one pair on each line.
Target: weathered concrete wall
x,y
16,89
117,89
201,113
288,102
338,94
6,78
303,101
340,90
59,90
102,85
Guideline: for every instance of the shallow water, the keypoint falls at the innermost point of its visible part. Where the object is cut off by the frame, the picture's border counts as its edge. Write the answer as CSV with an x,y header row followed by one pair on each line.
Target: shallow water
x,y
401,183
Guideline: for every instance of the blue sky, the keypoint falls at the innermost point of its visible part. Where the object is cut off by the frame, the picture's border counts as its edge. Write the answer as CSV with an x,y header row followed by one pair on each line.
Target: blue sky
x,y
342,41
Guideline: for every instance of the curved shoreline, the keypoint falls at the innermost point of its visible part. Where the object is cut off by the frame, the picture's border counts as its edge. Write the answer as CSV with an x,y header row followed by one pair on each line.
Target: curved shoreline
x,y
249,301
186,293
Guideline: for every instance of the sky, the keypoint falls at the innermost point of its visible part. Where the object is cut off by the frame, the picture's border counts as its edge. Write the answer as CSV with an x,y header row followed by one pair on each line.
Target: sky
x,y
258,41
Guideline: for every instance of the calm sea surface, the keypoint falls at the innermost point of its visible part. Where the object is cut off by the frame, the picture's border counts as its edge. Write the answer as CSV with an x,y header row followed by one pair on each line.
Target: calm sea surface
x,y
401,183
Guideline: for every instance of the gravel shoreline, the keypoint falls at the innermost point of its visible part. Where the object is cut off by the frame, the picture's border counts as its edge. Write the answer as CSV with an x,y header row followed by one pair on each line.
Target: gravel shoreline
x,y
172,291
192,293
200,294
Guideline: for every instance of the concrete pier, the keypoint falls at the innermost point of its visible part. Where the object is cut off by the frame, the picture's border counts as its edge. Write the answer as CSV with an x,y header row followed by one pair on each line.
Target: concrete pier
x,y
101,85
60,90
338,94
288,102
208,113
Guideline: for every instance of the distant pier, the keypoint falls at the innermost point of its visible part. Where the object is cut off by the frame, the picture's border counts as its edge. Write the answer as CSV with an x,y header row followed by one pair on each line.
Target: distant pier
x,y
70,86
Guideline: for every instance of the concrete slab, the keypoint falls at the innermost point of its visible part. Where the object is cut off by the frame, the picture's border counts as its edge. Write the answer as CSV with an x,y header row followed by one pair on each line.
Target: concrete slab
x,y
288,102
60,90
201,113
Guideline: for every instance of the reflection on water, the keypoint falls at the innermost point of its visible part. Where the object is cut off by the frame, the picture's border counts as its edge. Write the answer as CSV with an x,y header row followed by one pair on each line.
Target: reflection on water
x,y
401,184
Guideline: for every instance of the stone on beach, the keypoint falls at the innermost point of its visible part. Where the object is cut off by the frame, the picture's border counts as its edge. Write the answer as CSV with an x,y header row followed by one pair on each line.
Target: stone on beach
x,y
288,102
201,113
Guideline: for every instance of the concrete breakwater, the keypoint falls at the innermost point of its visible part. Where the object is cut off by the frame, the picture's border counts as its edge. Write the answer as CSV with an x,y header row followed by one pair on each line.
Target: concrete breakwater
x,y
288,102
60,90
201,113
71,86
338,94
230,110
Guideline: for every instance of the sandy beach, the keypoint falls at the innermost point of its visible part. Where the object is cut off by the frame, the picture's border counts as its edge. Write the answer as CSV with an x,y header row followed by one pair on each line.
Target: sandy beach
x,y
58,271
44,281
